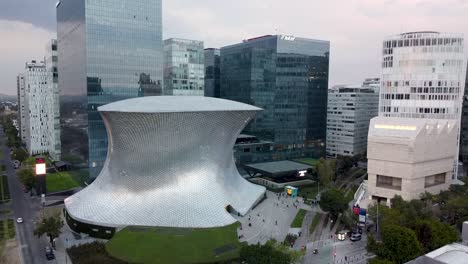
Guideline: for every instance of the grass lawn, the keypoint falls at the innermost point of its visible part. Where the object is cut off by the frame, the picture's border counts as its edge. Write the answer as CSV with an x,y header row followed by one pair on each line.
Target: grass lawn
x,y
308,191
4,191
60,181
7,231
297,222
175,245
309,161
315,222
80,176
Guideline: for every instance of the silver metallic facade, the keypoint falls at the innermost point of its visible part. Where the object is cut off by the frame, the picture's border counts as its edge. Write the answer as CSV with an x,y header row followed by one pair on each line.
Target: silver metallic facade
x,y
170,163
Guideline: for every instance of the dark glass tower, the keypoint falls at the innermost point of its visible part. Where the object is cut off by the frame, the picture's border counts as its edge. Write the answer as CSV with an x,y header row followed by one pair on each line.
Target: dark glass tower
x,y
212,72
288,78
111,50
464,127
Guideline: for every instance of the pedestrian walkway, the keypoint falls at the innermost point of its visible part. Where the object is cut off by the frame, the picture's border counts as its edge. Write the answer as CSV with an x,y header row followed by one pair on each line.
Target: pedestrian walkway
x,y
271,219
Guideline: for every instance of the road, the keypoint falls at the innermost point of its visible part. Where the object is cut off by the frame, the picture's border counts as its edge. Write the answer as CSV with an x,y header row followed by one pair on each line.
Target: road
x,y
339,252
26,207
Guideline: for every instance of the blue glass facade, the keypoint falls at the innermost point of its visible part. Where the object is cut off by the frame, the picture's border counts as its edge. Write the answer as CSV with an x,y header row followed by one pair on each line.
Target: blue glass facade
x,y
112,50
288,77
212,72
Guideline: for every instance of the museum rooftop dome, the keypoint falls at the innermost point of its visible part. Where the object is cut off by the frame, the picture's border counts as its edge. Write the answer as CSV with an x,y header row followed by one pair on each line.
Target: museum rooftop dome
x,y
171,104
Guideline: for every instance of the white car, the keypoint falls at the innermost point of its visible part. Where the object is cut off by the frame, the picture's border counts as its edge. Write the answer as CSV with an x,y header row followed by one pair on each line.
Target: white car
x,y
19,220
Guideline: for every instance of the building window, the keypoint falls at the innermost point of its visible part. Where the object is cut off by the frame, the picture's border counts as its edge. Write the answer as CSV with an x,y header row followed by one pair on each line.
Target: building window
x,y
389,182
434,180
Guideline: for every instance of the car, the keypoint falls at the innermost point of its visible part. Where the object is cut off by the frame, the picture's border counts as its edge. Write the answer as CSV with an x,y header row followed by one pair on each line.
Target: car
x,y
49,253
355,237
19,220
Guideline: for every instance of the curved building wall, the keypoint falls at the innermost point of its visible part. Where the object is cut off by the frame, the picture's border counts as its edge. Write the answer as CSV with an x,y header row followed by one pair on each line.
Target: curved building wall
x,y
172,169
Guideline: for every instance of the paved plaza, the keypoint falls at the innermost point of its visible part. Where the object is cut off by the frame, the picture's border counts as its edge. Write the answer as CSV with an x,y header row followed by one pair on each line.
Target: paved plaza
x,y
271,219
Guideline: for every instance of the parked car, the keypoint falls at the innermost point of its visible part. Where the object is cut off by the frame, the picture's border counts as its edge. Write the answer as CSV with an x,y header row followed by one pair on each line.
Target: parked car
x,y
49,253
19,220
355,237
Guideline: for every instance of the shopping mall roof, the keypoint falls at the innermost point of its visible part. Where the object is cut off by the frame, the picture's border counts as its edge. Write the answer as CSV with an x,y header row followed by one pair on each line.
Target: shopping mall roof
x,y
276,168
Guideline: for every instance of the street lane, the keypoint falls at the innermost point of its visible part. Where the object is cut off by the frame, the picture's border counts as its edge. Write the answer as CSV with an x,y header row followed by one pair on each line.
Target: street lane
x,y
26,207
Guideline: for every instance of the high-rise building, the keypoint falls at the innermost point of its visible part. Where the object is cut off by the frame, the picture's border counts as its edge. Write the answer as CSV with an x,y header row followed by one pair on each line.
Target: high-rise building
x,y
21,106
288,77
54,107
212,72
350,109
373,83
184,72
464,128
108,51
35,103
423,76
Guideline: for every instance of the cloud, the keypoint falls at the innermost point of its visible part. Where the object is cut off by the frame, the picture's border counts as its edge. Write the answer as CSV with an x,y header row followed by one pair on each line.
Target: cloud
x,y
21,42
40,13
355,28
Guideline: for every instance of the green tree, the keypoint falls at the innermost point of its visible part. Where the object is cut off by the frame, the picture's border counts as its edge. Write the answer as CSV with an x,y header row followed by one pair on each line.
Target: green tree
x,y
432,234
380,261
20,154
27,178
325,170
344,164
400,244
334,202
50,226
265,254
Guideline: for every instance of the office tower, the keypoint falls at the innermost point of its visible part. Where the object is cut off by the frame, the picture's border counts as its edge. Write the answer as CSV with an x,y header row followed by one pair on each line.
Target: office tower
x,y
184,72
21,106
108,51
287,77
212,72
423,76
35,107
54,107
464,128
373,83
350,109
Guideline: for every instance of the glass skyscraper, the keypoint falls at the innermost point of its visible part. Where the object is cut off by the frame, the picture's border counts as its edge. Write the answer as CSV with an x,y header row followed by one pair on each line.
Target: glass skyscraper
x,y
287,77
110,51
212,72
184,72
464,127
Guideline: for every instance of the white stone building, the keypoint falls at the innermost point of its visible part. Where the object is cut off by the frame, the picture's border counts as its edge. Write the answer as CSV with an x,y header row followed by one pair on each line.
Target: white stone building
x,y
408,156
53,103
349,111
21,106
36,108
184,67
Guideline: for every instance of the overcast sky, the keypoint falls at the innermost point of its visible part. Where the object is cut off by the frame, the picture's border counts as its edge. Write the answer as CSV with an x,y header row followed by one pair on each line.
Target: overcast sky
x,y
355,28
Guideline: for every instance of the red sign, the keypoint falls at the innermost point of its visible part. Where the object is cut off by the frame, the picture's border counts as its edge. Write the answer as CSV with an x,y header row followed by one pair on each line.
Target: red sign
x,y
356,210
40,160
